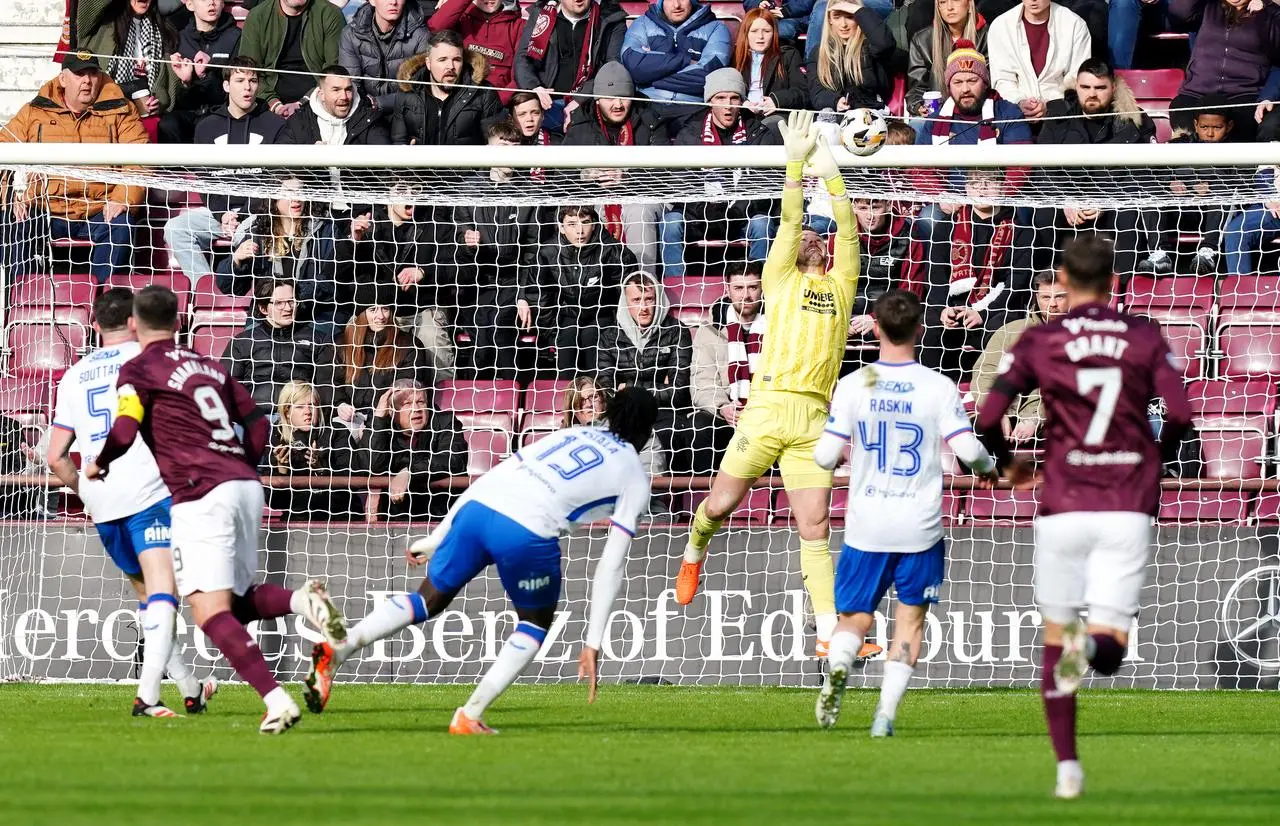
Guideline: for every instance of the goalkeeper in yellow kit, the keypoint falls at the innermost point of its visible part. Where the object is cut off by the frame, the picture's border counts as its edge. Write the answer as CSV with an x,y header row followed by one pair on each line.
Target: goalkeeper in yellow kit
x,y
799,362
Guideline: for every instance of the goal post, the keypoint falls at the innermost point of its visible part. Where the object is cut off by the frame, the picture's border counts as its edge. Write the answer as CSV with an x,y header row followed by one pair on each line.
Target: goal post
x,y
460,247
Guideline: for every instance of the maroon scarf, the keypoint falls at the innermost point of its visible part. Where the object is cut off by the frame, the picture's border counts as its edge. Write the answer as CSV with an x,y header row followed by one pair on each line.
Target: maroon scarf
x,y
962,266
744,346
543,139
947,120
545,26
711,135
612,217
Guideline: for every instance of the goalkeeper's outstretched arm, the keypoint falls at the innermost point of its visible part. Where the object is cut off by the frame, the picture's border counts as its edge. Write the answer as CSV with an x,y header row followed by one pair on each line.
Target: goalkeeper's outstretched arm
x,y
847,258
798,138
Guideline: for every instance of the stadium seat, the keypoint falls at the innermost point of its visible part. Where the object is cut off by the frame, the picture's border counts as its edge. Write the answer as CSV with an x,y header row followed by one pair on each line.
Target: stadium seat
x,y
1184,328
28,399
212,330
1232,419
898,99
692,315
174,280
54,289
465,397
1249,292
1249,342
1214,506
488,442
694,291
536,425
1183,291
1153,88
755,509
42,341
207,296
1003,507
543,408
1267,509
1251,397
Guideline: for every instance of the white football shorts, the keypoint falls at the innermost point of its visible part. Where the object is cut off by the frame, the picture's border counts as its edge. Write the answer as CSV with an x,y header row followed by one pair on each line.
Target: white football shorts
x,y
1092,560
215,538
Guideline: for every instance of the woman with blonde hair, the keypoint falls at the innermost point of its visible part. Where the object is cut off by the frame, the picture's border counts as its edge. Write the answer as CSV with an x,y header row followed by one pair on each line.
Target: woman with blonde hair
x,y
302,445
851,68
953,20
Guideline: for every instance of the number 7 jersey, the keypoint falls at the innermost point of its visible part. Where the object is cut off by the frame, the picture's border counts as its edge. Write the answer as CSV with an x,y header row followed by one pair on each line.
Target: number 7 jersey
x,y
188,407
580,474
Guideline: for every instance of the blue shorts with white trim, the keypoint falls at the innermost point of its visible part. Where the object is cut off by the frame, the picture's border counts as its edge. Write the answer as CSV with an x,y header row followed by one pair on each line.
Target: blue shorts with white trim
x,y
864,577
124,539
528,564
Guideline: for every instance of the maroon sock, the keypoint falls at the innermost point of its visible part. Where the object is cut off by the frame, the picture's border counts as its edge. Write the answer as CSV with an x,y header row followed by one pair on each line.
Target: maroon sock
x,y
241,651
265,601
1059,711
1108,654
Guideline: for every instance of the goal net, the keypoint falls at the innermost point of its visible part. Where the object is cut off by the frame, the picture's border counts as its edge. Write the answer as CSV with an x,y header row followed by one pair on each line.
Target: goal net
x,y
410,317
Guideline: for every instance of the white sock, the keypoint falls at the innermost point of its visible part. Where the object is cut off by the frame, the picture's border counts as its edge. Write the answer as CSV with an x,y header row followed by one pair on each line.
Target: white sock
x,y
157,636
516,654
277,699
896,676
825,625
394,614
1069,768
845,645
180,672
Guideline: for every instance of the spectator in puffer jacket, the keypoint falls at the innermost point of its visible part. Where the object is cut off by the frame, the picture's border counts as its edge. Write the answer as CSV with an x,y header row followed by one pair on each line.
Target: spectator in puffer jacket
x,y
670,51
724,352
575,287
490,28
851,66
242,121
1235,48
646,346
381,37
497,250
450,103
210,37
575,38
335,114
277,350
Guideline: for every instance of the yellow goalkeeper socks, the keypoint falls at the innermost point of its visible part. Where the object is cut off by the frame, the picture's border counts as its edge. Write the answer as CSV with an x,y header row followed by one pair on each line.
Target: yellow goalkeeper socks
x,y
700,533
819,574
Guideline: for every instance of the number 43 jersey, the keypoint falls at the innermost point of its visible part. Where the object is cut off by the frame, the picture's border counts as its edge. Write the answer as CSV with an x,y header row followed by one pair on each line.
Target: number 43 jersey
x,y
188,408
86,406
580,474
896,415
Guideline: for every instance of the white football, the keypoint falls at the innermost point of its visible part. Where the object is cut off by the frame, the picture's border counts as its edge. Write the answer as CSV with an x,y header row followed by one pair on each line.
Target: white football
x,y
862,131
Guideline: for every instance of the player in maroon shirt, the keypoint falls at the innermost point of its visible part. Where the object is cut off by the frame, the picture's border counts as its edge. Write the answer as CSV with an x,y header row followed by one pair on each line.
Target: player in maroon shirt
x,y
186,408
1097,370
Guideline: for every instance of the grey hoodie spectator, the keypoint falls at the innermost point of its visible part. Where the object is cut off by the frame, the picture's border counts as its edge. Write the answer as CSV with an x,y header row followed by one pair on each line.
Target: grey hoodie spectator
x,y
646,346
336,115
382,36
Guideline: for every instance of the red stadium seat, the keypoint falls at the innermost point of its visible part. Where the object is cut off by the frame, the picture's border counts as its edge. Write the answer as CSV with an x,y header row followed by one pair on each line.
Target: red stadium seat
x,y
486,447
1231,449
1233,398
692,316
898,100
694,291
1153,88
1232,419
1250,292
174,280
1183,291
212,330
28,399
42,341
458,396
1250,343
1184,328
545,396
207,296
537,425
755,509
50,289
1003,506
1267,509
1214,506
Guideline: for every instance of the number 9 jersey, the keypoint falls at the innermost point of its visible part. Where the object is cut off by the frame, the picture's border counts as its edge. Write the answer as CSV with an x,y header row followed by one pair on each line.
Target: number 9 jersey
x,y
897,415
580,474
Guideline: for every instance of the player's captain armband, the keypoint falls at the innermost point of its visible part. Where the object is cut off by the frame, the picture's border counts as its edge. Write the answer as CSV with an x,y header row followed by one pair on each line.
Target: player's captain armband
x,y
128,403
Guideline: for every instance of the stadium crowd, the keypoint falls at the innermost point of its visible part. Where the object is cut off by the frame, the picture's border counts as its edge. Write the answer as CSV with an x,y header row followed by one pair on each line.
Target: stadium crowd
x,y
355,314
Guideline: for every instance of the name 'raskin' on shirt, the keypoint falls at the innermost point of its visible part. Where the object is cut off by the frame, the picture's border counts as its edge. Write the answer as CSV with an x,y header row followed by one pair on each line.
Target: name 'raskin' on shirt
x,y
891,406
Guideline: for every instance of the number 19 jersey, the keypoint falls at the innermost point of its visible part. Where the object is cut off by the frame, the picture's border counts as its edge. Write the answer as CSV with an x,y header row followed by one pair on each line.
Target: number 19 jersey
x,y
579,474
896,415
86,406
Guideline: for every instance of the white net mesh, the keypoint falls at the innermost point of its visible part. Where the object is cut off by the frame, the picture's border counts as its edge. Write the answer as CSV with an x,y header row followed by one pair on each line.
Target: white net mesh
x,y
504,287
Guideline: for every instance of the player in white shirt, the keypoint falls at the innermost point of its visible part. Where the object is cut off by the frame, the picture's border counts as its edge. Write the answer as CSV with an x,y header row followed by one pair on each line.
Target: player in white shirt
x,y
131,511
897,413
512,518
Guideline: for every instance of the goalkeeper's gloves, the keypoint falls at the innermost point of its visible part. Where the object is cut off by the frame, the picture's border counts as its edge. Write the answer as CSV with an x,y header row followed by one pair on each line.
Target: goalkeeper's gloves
x,y
823,164
798,138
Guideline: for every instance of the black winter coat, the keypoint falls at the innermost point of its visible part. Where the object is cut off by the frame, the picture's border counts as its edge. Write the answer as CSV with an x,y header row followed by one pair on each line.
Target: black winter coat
x,y
662,367
363,53
1065,122
365,127
586,128
363,394
530,73
790,90
438,451
265,358
582,281
205,93
878,53
462,116
425,243
507,255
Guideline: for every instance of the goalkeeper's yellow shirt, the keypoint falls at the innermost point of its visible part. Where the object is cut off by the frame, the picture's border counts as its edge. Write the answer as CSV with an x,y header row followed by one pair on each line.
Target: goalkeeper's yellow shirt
x,y
808,314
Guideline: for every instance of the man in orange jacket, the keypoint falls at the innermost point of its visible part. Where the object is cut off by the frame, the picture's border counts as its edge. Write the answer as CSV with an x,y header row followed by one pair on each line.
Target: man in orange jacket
x,y
80,105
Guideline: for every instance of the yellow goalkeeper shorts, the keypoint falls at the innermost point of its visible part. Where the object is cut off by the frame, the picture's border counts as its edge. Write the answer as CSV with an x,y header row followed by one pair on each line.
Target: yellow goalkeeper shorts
x,y
782,427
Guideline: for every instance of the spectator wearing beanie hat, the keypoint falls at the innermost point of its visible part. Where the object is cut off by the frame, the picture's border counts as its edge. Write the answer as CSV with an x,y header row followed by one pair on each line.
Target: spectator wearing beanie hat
x,y
973,112
725,123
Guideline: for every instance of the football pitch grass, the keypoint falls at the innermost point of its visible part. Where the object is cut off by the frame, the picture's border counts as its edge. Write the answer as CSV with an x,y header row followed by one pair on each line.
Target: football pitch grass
x,y
70,754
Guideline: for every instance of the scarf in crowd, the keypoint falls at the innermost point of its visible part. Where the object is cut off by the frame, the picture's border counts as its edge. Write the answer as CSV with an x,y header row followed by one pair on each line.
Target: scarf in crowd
x,y
711,135
987,130
543,138
142,43
744,349
545,26
964,276
611,215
